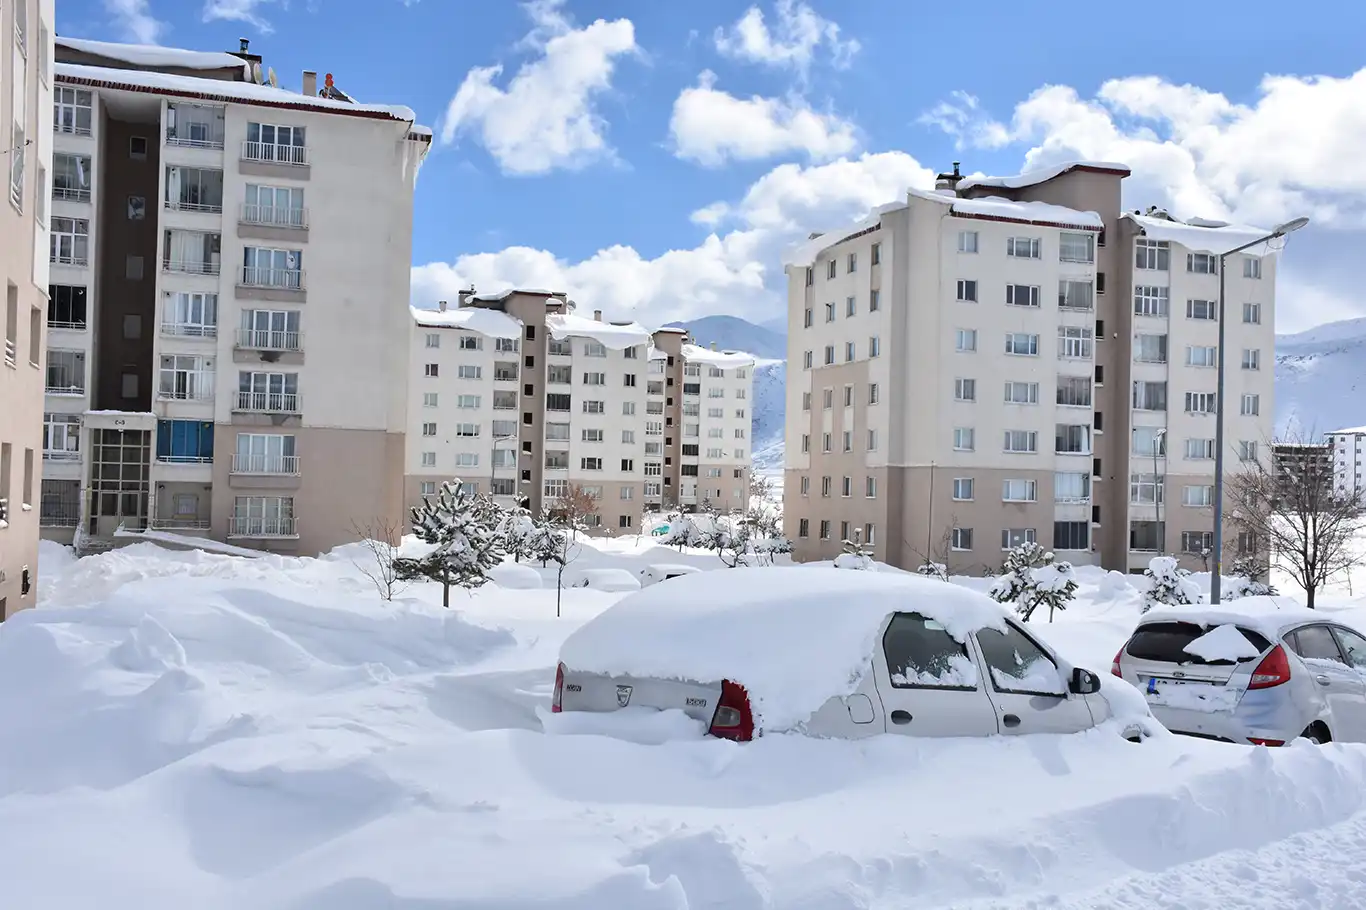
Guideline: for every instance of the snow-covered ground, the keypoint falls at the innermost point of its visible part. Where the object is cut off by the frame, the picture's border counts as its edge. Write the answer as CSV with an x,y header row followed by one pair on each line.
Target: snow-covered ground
x,y
189,730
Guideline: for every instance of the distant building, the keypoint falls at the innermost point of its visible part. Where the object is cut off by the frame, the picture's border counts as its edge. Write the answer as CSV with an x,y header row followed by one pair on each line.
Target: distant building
x,y
1347,450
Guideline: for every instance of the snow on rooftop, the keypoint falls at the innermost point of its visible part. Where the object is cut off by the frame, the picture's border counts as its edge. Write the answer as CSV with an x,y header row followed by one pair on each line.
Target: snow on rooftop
x,y
616,337
246,92
1040,175
491,323
1267,615
153,55
1010,210
803,254
1350,431
726,360
500,296
794,637
656,354
1202,236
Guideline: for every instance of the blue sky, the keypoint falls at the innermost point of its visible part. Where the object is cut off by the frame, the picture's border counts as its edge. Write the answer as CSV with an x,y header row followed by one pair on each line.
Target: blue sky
x,y
653,158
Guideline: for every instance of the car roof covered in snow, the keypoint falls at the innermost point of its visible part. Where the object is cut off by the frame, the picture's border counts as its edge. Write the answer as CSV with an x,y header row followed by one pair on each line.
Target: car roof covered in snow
x,y
1268,615
793,637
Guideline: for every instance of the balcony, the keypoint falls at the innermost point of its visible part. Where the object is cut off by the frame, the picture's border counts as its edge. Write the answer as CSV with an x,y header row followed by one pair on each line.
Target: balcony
x,y
239,526
74,391
184,205
273,153
269,340
78,258
68,125
279,465
266,402
58,515
184,459
195,134
199,392
70,193
188,330
190,266
179,524
273,216
61,455
282,279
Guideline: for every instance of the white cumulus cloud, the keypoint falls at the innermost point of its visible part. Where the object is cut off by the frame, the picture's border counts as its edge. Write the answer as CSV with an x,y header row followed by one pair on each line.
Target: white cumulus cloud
x,y
711,126
796,33
545,118
247,11
134,21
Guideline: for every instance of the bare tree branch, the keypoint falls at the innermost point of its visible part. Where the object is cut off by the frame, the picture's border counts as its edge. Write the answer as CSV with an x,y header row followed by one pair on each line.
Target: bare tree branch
x,y
380,538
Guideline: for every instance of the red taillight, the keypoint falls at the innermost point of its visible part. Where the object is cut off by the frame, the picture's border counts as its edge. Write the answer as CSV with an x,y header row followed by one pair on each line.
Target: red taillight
x,y
733,718
1114,666
1266,742
557,698
1272,671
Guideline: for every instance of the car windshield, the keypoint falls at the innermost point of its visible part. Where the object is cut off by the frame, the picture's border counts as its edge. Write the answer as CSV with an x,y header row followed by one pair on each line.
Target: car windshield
x,y
1165,642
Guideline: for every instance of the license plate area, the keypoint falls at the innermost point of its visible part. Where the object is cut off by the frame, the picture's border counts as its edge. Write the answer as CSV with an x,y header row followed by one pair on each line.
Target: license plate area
x,y
1190,694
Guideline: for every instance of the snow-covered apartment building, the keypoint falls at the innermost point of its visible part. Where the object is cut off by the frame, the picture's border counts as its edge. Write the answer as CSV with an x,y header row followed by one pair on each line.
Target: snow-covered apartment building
x,y
25,109
520,396
1012,359
1346,448
229,276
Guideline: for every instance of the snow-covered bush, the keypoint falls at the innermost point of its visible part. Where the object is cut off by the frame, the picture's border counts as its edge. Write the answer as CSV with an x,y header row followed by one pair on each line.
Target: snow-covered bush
x,y
1032,578
855,556
684,531
934,570
1169,584
517,529
465,532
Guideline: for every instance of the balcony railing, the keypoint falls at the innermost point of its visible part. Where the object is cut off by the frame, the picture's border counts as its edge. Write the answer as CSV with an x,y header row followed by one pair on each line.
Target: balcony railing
x,y
190,266
265,464
504,375
263,527
287,279
9,352
188,330
77,259
71,129
184,459
70,325
267,402
272,153
274,216
179,524
70,193
61,455
60,389
269,340
177,205
209,139
58,515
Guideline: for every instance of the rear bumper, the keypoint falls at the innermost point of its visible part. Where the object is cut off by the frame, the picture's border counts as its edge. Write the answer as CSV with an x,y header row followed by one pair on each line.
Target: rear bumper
x,y
1257,717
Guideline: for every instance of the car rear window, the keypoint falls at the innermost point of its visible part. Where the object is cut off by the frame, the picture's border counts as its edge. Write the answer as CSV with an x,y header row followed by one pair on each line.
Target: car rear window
x,y
1166,642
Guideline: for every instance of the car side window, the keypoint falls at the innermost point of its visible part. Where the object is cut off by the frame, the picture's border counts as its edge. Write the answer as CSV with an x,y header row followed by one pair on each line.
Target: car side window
x,y
921,654
1354,646
1317,643
1017,665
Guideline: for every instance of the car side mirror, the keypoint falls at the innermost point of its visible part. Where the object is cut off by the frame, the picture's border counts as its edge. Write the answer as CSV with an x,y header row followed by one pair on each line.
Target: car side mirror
x,y
1084,682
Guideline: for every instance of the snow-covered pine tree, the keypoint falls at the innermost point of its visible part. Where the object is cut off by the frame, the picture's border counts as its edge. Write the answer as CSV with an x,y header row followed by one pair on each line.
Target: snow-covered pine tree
x,y
465,532
1170,584
1031,578
730,539
933,570
1247,579
683,532
517,528
855,555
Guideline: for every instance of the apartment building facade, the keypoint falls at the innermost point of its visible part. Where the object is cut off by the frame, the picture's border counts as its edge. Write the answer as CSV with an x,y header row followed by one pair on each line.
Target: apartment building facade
x,y
1347,447
517,395
228,265
935,347
25,109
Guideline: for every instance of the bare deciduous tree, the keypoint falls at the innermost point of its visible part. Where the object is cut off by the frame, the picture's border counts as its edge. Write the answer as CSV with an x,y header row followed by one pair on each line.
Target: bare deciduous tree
x,y
572,510
380,538
934,560
1290,509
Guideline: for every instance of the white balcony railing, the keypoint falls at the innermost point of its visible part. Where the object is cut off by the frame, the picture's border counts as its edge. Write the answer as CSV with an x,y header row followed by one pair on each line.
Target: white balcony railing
x,y
179,524
77,259
239,526
198,393
184,459
67,325
61,455
274,216
190,266
70,128
286,279
206,138
177,205
269,340
272,153
58,515
71,194
59,389
267,402
287,465
188,330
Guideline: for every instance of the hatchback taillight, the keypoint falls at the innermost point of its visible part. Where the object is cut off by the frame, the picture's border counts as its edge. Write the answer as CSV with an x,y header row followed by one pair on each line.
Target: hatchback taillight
x,y
1272,671
1114,666
557,699
733,718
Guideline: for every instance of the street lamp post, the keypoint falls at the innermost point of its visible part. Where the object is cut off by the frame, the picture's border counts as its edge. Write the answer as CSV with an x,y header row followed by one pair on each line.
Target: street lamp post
x,y
1216,577
1159,490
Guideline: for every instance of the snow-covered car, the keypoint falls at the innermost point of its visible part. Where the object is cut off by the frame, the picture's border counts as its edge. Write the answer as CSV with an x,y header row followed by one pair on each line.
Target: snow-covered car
x,y
831,653
616,580
654,574
1256,670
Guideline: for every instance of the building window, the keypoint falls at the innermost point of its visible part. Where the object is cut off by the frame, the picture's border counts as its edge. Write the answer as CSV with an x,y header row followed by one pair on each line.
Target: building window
x,y
1252,313
1021,393
874,301
807,318
1153,255
851,306
872,440
1149,396
1202,263
852,263
1150,348
964,439
1201,355
69,242
963,489
967,291
67,307
874,346
965,389
1019,491
1076,295
72,110
1021,441
966,340
872,393
1150,300
961,539
829,312
1207,310
1252,359
1200,402
1075,342
1200,496
1014,537
185,441
431,370
1146,489
1247,451
1022,344
1197,542
272,143
262,516
1199,449
1022,295
1071,535
967,241
1251,406
1076,246
1024,247
804,527
1252,267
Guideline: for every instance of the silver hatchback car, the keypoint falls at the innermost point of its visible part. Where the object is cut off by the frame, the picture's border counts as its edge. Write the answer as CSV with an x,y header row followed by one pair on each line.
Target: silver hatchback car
x,y
1257,674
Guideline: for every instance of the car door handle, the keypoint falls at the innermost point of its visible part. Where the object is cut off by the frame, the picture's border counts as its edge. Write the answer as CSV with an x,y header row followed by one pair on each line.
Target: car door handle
x,y
1011,720
901,717
1323,680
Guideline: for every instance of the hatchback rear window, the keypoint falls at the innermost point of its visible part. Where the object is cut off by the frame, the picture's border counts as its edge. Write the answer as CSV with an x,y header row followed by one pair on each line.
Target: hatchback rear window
x,y
1166,642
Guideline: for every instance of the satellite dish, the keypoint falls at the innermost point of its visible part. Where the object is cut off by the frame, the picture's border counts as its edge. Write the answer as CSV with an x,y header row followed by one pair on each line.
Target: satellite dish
x,y
270,77
256,73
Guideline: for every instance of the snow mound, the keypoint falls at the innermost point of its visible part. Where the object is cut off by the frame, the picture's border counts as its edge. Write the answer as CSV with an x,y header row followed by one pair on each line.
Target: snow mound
x,y
515,577
794,637
635,724
1223,642
615,580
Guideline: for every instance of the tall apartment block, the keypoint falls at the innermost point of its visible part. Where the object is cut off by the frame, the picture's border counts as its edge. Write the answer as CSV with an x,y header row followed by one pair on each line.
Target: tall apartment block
x,y
517,395
26,149
1017,359
227,349
1347,447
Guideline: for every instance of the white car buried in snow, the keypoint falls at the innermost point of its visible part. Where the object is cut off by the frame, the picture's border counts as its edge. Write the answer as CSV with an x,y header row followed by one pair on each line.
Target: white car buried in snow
x,y
831,653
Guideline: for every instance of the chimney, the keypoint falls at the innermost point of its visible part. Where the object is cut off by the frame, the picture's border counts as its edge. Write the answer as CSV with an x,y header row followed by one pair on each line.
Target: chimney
x,y
245,45
597,315
310,83
441,306
713,345
463,297
948,182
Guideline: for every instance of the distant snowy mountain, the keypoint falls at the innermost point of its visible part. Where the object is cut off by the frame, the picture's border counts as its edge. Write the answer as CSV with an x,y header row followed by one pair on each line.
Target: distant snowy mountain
x,y
1321,378
738,335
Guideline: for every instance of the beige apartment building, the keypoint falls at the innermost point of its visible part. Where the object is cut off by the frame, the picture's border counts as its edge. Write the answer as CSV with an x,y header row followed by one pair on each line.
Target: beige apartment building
x,y
520,396
229,270
1005,360
25,109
